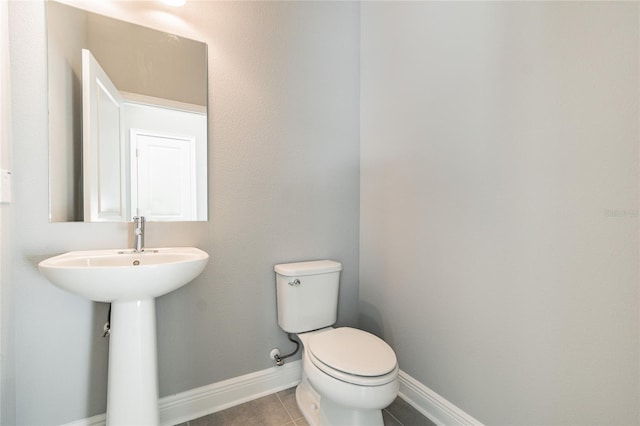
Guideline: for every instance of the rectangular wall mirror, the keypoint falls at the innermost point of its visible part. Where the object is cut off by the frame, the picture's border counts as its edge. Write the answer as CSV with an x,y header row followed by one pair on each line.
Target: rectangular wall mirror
x,y
127,120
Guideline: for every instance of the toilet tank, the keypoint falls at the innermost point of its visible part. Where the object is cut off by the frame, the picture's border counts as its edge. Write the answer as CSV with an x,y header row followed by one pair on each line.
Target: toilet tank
x,y
307,294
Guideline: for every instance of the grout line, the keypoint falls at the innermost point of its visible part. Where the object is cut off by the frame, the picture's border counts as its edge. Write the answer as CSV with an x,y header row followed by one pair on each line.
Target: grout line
x,y
285,409
394,417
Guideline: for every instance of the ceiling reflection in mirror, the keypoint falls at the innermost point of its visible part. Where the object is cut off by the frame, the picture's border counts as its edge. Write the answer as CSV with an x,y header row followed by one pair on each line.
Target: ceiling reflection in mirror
x,y
127,120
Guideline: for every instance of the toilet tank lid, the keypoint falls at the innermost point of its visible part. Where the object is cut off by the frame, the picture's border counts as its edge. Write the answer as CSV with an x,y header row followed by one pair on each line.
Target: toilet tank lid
x,y
313,267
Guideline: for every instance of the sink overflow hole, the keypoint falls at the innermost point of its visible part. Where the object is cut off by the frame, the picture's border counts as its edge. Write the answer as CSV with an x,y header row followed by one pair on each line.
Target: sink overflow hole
x,y
136,262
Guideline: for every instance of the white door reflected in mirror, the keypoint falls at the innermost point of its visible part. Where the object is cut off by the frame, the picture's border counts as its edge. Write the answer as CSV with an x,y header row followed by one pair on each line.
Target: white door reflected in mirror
x,y
102,149
140,154
163,175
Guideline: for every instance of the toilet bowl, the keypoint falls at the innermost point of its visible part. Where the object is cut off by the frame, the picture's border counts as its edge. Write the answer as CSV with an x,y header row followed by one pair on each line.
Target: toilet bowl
x,y
349,376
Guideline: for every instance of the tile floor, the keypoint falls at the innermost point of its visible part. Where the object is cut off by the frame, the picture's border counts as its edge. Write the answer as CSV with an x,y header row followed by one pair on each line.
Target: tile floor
x,y
280,409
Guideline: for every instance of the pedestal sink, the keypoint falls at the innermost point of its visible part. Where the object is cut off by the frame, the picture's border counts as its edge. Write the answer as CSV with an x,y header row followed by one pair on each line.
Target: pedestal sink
x,y
129,281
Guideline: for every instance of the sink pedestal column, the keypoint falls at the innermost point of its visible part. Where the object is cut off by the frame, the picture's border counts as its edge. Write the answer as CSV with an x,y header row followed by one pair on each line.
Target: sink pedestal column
x,y
132,397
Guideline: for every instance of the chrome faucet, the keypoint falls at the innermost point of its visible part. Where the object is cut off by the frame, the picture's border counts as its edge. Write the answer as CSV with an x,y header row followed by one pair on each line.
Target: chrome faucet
x,y
138,234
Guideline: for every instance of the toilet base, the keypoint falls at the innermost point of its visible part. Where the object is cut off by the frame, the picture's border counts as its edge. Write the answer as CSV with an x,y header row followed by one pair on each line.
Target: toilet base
x,y
320,411
308,402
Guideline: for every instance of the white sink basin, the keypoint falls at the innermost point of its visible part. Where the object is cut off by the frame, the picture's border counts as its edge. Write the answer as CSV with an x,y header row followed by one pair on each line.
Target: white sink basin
x,y
130,281
122,275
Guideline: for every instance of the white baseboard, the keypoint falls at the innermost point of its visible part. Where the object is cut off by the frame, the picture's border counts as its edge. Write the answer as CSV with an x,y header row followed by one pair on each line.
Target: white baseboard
x,y
430,404
198,402
209,399
99,420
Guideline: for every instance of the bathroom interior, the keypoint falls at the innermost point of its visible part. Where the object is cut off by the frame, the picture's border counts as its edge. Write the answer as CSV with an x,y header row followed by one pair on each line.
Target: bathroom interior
x,y
473,166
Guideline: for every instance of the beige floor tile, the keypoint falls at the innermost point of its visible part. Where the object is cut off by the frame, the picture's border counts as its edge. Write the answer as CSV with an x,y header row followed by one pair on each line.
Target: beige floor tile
x,y
281,409
266,411
389,420
288,398
301,422
407,415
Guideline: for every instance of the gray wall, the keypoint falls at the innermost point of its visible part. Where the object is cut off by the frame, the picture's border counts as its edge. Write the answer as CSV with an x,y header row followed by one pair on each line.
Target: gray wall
x,y
284,154
499,204
499,200
7,370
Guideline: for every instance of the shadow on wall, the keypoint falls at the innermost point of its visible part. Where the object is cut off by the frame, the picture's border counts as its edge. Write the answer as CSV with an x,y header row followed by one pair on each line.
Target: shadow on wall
x,y
370,320
99,360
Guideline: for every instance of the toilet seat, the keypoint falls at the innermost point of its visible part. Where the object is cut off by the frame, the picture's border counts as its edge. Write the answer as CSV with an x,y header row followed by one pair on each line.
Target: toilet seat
x,y
353,356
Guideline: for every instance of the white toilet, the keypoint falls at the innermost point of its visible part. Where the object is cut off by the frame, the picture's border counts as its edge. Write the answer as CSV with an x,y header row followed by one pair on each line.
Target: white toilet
x,y
348,375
